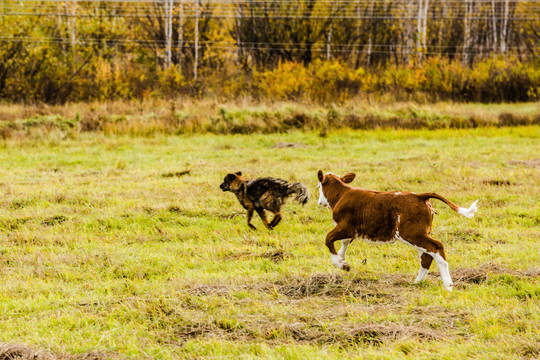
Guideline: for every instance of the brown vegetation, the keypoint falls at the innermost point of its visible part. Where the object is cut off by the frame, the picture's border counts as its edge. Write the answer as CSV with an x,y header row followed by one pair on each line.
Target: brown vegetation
x,y
187,116
24,352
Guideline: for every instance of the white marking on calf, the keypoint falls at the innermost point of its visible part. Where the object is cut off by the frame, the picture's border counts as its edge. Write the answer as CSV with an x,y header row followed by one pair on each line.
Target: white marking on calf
x,y
343,250
443,268
441,263
323,201
398,193
338,261
470,211
422,273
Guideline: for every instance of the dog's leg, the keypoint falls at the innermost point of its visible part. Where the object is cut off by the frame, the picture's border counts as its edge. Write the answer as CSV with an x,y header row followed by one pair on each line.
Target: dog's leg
x,y
262,214
249,216
276,219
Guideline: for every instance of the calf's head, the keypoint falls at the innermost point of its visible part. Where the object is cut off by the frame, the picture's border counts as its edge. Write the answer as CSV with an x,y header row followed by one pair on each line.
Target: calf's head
x,y
231,182
329,186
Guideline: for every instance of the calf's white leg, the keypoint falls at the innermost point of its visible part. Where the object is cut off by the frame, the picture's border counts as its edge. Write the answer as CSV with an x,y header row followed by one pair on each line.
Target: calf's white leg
x,y
426,258
334,235
443,268
425,263
343,250
422,273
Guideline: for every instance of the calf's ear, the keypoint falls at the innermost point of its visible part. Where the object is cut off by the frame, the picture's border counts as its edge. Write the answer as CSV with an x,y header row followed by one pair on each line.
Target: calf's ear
x,y
348,178
320,175
239,173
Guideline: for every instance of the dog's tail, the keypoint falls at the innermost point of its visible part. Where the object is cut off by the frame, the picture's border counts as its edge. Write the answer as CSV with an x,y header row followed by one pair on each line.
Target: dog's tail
x,y
301,191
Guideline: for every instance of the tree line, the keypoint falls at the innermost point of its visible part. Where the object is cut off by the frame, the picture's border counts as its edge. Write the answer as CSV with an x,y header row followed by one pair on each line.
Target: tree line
x,y
60,50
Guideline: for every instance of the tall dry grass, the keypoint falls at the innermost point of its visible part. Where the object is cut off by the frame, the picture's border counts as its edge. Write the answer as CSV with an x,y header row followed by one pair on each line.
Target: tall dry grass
x,y
186,115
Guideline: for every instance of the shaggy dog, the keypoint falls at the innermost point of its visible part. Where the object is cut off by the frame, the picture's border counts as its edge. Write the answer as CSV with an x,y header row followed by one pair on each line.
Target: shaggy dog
x,y
263,194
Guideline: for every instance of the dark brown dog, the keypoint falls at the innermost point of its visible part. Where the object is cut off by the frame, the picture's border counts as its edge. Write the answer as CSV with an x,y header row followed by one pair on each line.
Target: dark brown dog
x,y
263,194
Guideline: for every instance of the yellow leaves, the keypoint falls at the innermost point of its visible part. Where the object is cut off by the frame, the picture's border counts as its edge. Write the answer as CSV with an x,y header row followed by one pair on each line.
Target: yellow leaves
x,y
171,80
321,80
111,79
288,81
103,70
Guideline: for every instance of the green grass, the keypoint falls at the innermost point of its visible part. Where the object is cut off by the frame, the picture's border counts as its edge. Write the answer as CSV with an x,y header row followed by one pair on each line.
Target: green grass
x,y
110,246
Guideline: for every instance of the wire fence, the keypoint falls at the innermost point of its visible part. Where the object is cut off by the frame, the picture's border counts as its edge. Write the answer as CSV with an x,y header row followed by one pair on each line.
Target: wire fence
x,y
485,26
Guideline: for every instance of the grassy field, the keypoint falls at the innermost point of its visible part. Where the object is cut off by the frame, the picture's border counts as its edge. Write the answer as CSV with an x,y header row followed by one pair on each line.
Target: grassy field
x,y
125,247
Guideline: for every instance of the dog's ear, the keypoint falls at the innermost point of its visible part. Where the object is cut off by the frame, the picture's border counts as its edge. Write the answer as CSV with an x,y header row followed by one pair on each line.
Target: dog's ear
x,y
348,178
239,173
320,175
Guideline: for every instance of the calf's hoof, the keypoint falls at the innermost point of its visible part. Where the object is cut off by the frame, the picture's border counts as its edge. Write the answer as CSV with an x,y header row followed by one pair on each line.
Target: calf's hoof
x,y
346,267
449,287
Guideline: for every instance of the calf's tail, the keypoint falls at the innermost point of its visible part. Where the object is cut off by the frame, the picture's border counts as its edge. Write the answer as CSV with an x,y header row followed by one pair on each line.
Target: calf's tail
x,y
467,212
301,192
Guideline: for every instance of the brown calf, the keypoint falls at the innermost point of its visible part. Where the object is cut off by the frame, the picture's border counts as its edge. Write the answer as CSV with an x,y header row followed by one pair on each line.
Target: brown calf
x,y
384,216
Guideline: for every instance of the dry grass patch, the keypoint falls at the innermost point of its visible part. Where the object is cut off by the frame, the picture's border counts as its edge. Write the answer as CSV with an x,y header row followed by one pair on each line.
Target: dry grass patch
x,y
527,163
276,256
24,352
364,334
336,285
483,273
148,118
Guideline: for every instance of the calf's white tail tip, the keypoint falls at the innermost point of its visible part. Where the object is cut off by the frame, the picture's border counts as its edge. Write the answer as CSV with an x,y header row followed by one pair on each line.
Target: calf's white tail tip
x,y
470,211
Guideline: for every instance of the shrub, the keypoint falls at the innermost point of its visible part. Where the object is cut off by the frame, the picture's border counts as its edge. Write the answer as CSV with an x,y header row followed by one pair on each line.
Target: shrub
x,y
289,81
334,81
171,81
500,79
322,81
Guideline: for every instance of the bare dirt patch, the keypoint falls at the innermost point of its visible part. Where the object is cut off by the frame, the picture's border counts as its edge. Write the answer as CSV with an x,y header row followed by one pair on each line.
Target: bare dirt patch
x,y
176,173
527,163
284,145
276,256
498,182
55,220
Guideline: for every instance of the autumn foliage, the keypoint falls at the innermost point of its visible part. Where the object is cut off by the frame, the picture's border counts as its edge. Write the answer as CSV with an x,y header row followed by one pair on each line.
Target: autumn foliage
x,y
312,50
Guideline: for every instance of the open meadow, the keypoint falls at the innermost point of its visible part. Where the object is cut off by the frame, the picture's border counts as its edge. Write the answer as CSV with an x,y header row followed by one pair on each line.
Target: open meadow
x,y
117,246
